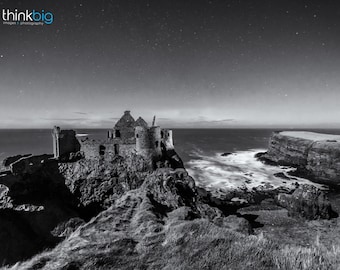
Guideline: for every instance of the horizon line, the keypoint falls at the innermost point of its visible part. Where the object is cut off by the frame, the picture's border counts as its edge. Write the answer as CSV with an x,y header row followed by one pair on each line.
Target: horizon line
x,y
240,127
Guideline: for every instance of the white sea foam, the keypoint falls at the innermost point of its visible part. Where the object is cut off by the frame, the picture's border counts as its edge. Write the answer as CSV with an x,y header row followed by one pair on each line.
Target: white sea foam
x,y
82,135
240,170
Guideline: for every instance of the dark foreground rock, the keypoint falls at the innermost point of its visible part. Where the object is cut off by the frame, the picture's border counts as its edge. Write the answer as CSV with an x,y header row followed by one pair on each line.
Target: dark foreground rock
x,y
97,183
308,202
141,228
127,218
9,160
40,208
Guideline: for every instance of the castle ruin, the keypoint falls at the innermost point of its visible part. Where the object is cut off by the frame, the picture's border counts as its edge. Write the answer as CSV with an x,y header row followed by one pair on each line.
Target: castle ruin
x,y
128,136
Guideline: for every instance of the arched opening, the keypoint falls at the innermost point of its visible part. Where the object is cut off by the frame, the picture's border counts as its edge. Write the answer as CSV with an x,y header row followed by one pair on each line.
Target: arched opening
x,y
156,143
137,136
117,133
162,134
102,149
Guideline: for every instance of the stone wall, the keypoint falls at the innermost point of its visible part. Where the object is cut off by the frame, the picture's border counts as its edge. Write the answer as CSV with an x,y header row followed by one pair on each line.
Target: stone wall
x,y
64,142
90,149
108,149
125,129
127,149
68,142
9,160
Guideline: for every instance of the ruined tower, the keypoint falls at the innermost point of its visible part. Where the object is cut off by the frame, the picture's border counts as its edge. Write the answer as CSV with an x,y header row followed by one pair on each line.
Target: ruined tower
x,y
143,146
166,136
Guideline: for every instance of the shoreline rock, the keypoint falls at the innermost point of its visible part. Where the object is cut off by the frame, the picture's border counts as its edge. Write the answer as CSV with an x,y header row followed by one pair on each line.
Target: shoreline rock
x,y
307,202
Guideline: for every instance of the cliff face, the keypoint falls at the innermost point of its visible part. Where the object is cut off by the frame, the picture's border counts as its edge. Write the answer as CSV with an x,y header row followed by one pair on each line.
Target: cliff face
x,y
316,154
99,182
41,207
323,160
287,150
143,229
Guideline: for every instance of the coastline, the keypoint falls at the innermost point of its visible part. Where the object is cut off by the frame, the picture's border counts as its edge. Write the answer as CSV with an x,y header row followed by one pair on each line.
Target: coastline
x,y
254,209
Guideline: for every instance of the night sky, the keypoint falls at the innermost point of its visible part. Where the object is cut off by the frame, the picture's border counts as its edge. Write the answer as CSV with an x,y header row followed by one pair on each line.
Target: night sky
x,y
263,63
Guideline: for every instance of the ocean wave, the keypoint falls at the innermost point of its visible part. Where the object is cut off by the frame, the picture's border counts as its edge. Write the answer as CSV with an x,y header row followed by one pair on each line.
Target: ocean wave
x,y
82,135
240,170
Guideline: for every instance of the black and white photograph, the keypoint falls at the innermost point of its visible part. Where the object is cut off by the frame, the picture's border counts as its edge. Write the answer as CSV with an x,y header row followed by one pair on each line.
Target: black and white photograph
x,y
170,134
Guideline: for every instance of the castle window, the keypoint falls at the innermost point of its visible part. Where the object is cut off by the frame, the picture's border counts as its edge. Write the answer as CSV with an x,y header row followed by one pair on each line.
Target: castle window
x,y
117,133
162,134
156,144
137,136
168,134
102,150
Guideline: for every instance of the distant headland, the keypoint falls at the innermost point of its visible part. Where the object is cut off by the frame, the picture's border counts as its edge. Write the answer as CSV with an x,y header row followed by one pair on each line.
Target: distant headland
x,y
316,155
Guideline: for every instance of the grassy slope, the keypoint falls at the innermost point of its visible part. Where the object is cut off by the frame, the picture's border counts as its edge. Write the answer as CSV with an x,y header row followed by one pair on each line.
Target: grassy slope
x,y
135,234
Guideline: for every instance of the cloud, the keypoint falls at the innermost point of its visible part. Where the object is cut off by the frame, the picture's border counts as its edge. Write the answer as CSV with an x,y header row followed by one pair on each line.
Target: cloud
x,y
64,119
83,113
214,121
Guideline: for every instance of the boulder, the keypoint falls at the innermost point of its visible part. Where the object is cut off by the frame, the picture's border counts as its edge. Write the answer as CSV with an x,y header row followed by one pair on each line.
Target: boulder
x,y
65,229
308,202
170,189
182,213
5,200
234,223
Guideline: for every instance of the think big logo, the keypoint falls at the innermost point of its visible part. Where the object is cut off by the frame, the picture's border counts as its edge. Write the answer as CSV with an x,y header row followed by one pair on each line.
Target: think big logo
x,y
27,16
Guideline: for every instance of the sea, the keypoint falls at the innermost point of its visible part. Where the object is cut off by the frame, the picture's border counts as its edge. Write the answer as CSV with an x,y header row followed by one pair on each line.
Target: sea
x,y
200,149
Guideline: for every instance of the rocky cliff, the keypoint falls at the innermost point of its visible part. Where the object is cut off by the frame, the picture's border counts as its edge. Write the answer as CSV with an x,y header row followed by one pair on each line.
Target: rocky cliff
x,y
142,228
315,155
42,207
